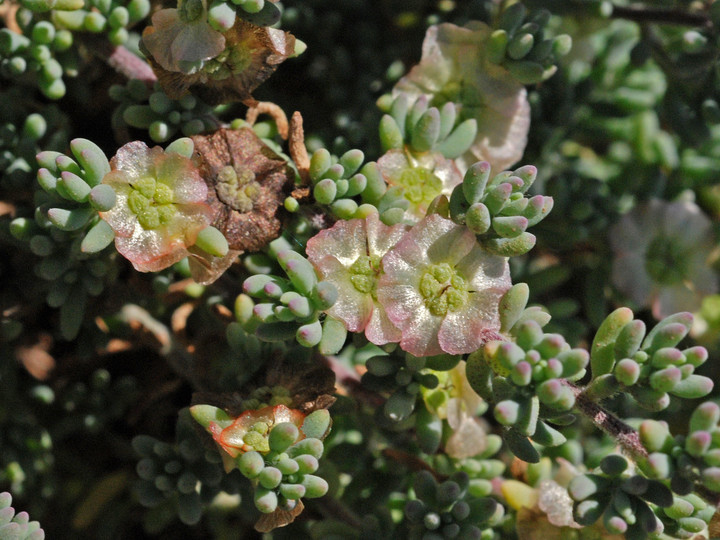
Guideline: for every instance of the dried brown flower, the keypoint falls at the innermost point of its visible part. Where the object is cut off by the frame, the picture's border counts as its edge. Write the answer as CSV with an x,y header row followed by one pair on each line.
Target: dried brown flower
x,y
247,184
251,55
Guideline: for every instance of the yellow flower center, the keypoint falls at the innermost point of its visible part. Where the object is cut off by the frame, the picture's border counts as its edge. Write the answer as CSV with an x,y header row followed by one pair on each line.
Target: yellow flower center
x,y
421,185
443,289
364,272
152,202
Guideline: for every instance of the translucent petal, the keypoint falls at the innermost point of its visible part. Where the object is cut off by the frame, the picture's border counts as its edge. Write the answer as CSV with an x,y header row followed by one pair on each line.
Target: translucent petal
x,y
631,278
205,268
197,42
380,237
674,299
345,241
379,329
182,176
136,160
464,331
150,251
352,307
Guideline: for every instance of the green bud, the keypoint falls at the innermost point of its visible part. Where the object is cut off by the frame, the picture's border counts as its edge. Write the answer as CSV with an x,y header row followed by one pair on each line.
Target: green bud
x,y
299,270
221,16
325,191
307,463
614,465
270,477
400,405
627,371
320,162
509,226
667,356
282,436
292,492
314,486
520,45
251,464
425,133
460,140
212,241
183,146
311,446
351,161
74,186
496,46
629,339
665,380
705,417
317,424
668,332
70,220
344,208
695,356
547,435
602,356
693,387
102,197
525,71
510,247
92,159
265,500
512,305
391,136
309,335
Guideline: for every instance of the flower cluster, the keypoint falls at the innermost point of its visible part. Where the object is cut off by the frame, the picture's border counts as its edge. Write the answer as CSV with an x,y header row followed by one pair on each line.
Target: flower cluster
x,y
431,287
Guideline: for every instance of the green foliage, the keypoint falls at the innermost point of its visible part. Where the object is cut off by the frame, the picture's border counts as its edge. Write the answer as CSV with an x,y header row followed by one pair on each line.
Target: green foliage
x,y
164,118
17,525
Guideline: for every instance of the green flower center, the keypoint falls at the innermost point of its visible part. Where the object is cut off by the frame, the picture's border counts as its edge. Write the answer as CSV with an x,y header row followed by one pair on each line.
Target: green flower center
x,y
152,202
232,61
364,272
443,289
421,185
256,437
237,189
666,261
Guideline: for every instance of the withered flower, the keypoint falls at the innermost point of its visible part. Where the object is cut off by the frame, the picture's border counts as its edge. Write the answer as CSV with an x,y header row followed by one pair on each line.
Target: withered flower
x,y
247,184
251,55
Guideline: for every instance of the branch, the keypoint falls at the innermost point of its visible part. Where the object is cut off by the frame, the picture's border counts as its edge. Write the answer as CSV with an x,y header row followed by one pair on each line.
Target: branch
x,y
626,436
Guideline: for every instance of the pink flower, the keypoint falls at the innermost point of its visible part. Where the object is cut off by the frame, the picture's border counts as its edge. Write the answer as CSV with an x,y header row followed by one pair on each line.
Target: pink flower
x,y
454,68
160,206
348,255
661,256
441,289
423,177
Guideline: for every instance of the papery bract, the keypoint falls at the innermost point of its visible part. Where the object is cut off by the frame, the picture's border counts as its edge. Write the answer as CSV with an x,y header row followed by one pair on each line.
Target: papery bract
x,y
160,205
348,255
454,68
661,256
441,289
423,176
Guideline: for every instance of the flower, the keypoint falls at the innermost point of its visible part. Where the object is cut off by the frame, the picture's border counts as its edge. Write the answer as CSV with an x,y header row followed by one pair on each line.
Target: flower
x,y
247,184
251,429
661,256
441,289
348,255
249,56
453,67
423,176
182,39
456,401
160,206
